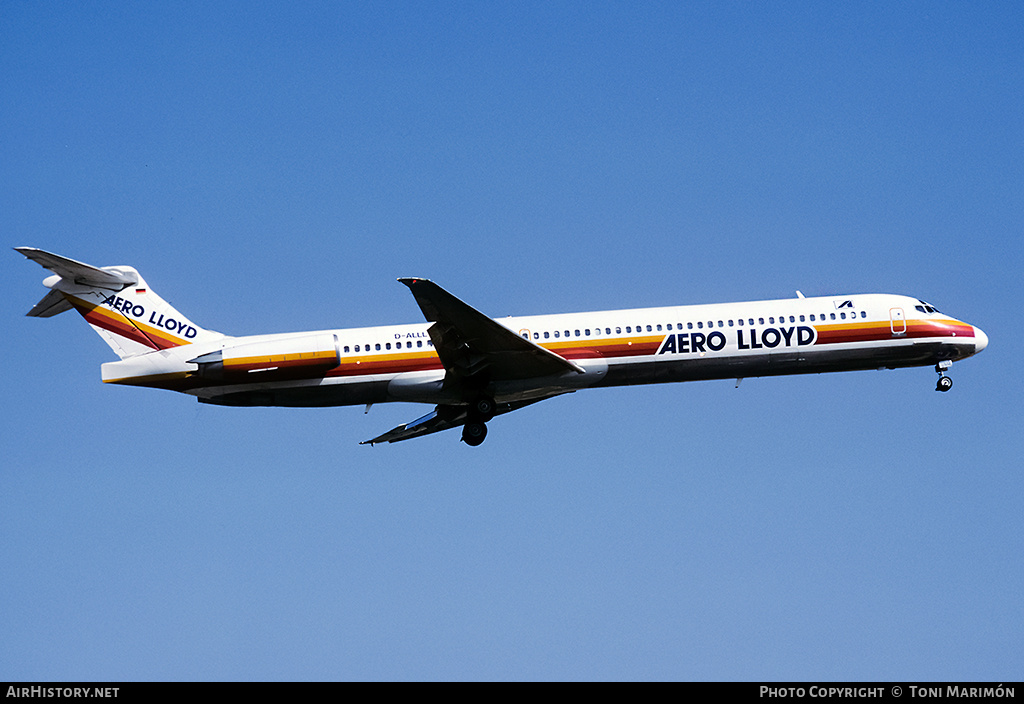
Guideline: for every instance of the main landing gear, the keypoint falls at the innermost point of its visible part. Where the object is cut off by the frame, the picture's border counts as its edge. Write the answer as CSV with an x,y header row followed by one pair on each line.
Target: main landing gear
x,y
480,411
474,433
945,383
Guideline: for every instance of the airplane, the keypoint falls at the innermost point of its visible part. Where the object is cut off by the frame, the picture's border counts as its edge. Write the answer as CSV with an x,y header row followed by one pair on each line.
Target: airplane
x,y
473,368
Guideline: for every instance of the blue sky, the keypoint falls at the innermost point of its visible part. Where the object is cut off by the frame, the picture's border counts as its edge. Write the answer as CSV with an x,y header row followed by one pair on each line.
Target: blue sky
x,y
272,168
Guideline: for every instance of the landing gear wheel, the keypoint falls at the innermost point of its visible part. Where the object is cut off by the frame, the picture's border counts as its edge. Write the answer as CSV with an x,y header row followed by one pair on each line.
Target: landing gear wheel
x,y
474,433
945,384
484,408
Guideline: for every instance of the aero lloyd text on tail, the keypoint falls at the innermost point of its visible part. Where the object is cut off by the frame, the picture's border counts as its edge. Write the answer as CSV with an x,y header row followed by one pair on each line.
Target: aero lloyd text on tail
x,y
118,304
471,368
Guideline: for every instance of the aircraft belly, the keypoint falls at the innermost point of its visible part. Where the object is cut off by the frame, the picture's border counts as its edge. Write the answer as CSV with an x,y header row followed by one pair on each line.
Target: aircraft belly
x,y
421,387
300,396
666,370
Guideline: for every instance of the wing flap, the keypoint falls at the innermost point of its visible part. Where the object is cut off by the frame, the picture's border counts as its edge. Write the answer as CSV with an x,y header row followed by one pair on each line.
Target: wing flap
x,y
444,417
441,418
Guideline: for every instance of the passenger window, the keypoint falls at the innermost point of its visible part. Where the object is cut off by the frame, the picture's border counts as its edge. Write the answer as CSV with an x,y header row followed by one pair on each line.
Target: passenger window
x,y
387,345
771,320
607,331
628,329
843,316
419,343
618,331
536,336
801,318
700,324
833,316
760,321
689,326
730,322
556,333
346,349
863,314
377,346
547,335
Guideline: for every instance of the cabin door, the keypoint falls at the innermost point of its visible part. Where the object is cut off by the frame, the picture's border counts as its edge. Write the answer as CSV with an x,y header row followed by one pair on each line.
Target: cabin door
x,y
897,321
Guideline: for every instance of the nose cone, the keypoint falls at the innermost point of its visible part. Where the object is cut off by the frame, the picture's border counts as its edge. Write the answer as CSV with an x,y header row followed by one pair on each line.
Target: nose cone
x,y
980,340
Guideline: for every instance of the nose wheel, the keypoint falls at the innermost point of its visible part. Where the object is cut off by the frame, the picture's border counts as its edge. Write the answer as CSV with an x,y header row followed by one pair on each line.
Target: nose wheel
x,y
945,383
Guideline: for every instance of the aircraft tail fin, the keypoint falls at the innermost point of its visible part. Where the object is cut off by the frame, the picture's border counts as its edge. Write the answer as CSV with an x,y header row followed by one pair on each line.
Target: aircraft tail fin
x,y
116,302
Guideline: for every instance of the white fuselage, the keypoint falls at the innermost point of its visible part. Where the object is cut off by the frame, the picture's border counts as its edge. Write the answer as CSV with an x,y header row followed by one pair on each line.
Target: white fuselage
x,y
610,348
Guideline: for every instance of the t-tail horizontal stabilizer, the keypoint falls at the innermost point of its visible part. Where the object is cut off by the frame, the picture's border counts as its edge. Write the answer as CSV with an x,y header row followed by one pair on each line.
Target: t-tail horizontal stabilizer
x,y
73,272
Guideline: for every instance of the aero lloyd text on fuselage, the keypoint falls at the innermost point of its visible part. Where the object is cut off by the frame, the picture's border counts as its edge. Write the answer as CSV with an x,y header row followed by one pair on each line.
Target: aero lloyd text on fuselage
x,y
748,339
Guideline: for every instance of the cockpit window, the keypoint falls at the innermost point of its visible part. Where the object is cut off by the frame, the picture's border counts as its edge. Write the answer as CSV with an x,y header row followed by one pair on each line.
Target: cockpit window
x,y
926,307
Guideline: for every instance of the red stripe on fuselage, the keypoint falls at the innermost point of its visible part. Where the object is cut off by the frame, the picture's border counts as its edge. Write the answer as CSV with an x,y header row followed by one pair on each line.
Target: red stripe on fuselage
x,y
875,332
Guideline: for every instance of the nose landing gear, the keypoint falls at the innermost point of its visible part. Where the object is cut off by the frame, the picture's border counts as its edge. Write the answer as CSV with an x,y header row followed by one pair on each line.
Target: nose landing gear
x,y
945,383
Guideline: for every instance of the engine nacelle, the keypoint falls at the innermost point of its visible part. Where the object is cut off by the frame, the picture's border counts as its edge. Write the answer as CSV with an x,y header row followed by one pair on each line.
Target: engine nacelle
x,y
305,357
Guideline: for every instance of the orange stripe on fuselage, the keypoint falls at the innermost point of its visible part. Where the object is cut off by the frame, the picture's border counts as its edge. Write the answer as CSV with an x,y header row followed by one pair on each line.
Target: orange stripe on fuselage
x,y
326,358
428,360
613,347
609,348
882,330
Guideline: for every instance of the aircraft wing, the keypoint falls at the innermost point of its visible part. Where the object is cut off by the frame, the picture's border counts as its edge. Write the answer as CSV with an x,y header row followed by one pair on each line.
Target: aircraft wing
x,y
441,418
471,344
